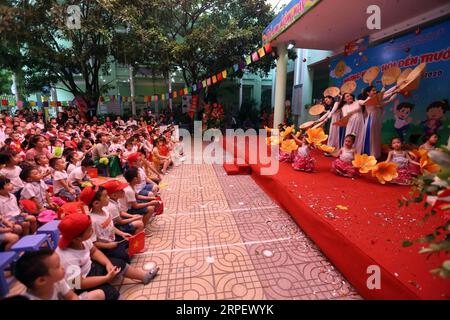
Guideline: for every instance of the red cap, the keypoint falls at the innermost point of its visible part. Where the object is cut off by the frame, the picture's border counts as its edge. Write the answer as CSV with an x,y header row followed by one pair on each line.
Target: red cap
x,y
72,226
87,195
134,156
112,186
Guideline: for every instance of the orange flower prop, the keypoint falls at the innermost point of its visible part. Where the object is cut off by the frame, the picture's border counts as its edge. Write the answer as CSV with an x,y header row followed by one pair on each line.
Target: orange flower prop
x,y
385,172
288,146
426,165
297,135
419,153
273,140
364,162
326,148
286,132
316,136
268,129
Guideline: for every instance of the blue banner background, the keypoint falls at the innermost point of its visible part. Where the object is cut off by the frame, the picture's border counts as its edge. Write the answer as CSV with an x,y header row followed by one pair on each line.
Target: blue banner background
x,y
407,52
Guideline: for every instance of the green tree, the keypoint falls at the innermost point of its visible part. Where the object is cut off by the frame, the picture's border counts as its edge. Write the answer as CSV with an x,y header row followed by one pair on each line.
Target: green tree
x,y
197,38
38,42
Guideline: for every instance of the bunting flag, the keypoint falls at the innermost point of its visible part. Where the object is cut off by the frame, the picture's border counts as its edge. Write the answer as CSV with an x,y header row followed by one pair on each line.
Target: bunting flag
x,y
194,88
101,99
224,74
45,104
163,97
146,99
20,104
209,82
181,93
174,94
204,84
236,67
64,104
11,103
155,98
248,60
58,103
199,86
124,99
255,56
214,79
219,76
242,65
261,52
4,102
268,48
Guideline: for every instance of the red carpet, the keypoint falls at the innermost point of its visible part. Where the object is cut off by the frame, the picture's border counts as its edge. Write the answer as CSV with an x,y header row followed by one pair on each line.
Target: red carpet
x,y
370,232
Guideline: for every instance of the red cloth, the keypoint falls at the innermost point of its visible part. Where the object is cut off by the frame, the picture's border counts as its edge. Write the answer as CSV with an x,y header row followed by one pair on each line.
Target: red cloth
x,y
136,244
164,150
370,232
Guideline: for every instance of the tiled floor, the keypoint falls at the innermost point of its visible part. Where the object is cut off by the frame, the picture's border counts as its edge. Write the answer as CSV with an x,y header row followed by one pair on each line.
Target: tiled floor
x,y
221,237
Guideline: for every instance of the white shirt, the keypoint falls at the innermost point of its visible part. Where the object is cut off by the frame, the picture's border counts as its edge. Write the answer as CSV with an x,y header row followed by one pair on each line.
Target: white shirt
x,y
76,174
70,168
8,206
60,290
81,258
36,190
130,196
103,227
13,175
58,176
143,182
114,209
115,147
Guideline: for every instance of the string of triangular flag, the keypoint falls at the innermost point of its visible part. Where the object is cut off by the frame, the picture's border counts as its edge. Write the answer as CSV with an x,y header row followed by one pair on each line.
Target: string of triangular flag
x,y
194,87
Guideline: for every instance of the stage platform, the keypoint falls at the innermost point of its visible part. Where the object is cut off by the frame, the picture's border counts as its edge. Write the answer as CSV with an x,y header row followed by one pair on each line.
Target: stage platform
x,y
368,233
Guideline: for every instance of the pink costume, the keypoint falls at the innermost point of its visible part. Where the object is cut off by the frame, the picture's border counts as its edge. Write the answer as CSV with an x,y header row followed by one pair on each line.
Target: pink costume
x,y
406,171
343,165
303,161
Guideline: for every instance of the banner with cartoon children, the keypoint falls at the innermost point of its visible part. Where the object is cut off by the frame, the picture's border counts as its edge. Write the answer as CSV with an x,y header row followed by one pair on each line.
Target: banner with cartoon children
x,y
422,111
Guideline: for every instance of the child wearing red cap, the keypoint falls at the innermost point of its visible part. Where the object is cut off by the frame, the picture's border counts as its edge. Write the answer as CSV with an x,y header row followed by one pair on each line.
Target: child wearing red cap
x,y
145,186
133,205
128,223
77,250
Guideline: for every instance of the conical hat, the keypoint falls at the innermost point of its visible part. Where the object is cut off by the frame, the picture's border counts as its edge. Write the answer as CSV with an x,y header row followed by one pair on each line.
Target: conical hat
x,y
316,110
390,76
404,75
375,100
371,74
348,87
307,125
331,91
413,79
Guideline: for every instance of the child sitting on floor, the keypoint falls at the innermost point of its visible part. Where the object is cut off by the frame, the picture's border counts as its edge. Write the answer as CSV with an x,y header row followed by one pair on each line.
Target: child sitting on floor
x,y
76,248
36,190
61,187
131,204
73,160
11,170
23,224
146,187
405,165
343,165
45,170
43,275
302,159
128,223
430,142
79,175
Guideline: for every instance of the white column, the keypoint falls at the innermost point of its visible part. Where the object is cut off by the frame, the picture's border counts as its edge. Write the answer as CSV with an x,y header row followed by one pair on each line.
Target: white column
x,y
241,92
280,86
133,100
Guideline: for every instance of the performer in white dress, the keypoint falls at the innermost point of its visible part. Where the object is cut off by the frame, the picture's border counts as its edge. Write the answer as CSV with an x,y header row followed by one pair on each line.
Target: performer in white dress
x,y
374,120
337,133
355,124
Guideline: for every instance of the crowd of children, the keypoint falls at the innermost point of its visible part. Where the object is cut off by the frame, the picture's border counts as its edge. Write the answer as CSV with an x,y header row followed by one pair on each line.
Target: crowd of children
x,y
45,167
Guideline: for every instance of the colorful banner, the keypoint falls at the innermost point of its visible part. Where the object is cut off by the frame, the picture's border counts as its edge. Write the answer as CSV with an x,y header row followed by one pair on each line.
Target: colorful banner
x,y
426,109
287,17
